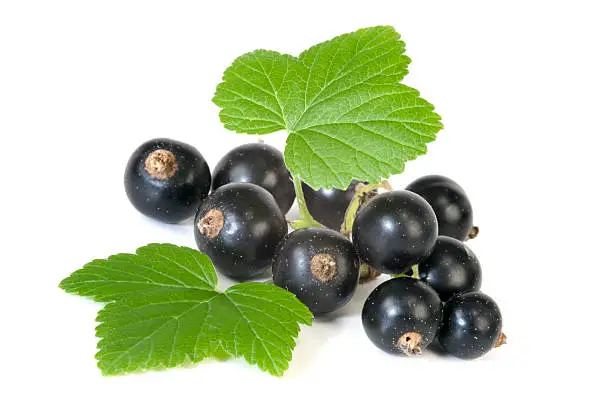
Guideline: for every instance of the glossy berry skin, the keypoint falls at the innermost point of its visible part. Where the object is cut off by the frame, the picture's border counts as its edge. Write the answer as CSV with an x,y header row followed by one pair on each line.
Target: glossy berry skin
x,y
166,180
328,205
451,268
239,226
399,308
394,231
319,266
471,325
257,163
449,202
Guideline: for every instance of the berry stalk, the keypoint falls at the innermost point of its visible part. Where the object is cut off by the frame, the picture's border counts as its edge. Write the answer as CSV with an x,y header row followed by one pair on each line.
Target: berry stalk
x,y
360,193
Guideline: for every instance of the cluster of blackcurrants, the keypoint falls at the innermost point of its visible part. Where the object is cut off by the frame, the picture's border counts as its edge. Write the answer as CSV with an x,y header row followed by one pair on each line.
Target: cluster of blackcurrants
x,y
419,231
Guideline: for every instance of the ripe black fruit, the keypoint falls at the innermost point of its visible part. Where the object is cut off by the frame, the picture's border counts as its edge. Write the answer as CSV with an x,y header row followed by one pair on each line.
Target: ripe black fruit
x,y
394,231
471,325
239,226
167,180
402,315
319,266
449,202
257,163
328,205
451,268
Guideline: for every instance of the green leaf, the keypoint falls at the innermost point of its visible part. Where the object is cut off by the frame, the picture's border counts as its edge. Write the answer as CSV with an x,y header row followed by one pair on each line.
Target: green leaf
x,y
153,267
259,93
347,115
157,329
165,311
259,322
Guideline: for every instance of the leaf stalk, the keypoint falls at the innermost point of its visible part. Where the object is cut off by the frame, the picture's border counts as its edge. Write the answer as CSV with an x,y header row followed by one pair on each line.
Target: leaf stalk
x,y
306,219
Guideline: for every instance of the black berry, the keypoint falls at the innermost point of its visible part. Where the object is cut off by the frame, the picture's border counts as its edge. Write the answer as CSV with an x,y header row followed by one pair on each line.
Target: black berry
x,y
328,205
394,231
471,325
167,180
451,268
401,316
239,226
257,163
319,266
449,202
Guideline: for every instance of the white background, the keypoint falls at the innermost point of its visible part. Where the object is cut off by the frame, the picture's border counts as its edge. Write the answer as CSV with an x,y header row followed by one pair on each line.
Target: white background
x,y
524,91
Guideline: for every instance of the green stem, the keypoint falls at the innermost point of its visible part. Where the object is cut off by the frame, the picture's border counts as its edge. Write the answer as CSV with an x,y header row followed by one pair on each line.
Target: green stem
x,y
306,219
351,211
415,272
367,273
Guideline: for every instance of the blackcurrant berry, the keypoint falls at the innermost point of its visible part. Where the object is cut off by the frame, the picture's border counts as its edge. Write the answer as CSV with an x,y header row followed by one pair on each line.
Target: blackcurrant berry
x,y
451,268
394,231
239,226
471,325
402,315
257,163
167,180
449,202
319,266
328,205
